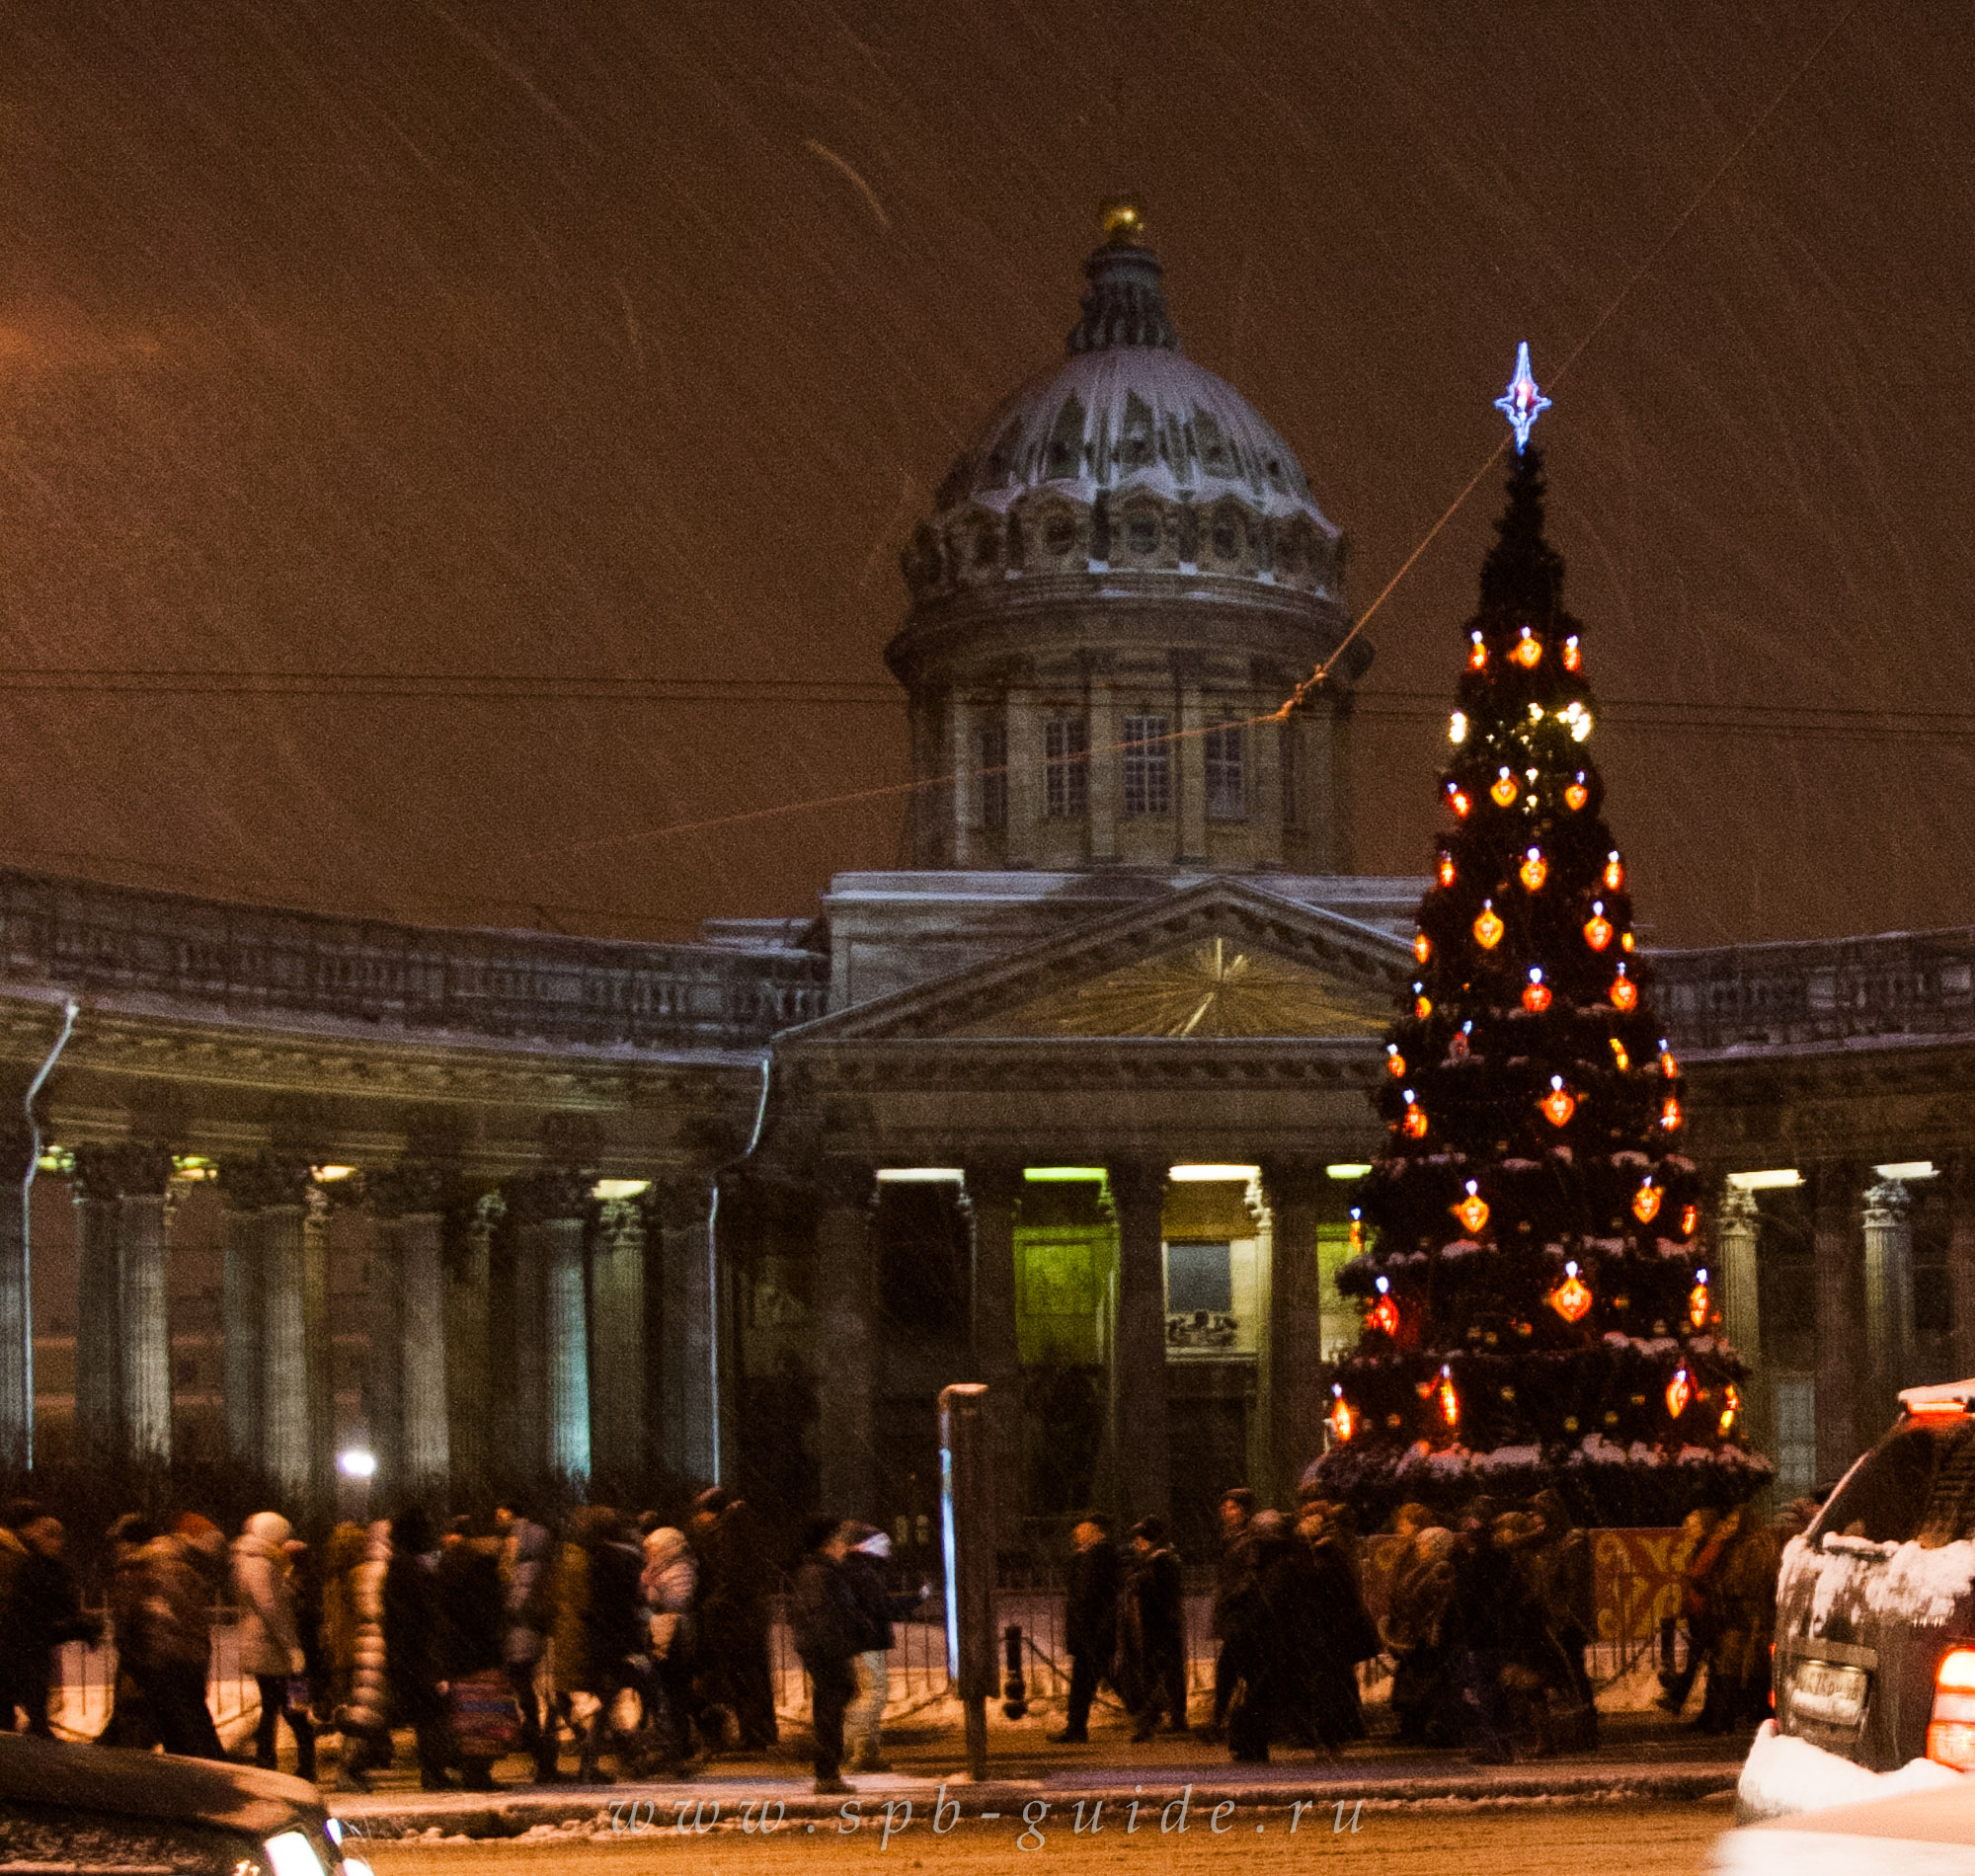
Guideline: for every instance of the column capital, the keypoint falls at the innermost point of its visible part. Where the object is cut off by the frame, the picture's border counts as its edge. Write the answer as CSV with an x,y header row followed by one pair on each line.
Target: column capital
x,y
1294,1178
1737,1207
263,1180
123,1169
1137,1182
843,1181
679,1202
548,1195
412,1189
994,1182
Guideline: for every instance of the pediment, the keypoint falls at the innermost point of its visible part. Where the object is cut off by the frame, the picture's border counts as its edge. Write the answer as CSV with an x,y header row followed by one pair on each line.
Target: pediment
x,y
1222,958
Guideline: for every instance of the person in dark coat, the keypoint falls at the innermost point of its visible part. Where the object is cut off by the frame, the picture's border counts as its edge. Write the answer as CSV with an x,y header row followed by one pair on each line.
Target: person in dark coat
x,y
467,1582
609,1624
414,1644
1089,1623
735,1672
1345,1635
1237,1511
826,1628
40,1608
160,1603
1272,1649
1482,1621
1424,1699
1152,1630
867,1563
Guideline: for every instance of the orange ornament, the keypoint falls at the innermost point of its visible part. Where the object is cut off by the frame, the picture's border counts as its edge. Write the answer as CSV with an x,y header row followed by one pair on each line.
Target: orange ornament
x,y
1668,1066
1395,1063
1731,1405
1571,1299
1478,659
1597,931
1414,1124
1450,1401
1357,1235
1680,1390
1422,1007
1343,1423
1385,1317
1535,868
1623,992
1670,1114
1619,1054
1422,946
1503,791
1459,803
1697,1304
1473,1211
1573,657
1690,1217
1447,869
1559,1104
1575,794
1528,653
1536,995
1487,927
1625,941
1615,873
1647,1202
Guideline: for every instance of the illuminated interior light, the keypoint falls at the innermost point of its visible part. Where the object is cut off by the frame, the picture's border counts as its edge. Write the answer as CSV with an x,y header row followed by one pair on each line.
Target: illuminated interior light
x,y
1347,1169
887,1176
1776,1179
1909,1169
356,1462
1210,1174
1052,1175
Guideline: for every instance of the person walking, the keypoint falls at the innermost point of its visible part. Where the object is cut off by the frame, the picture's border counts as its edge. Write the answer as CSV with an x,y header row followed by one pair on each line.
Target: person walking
x,y
1344,1633
1089,1623
1481,1616
867,1563
596,1628
735,1672
824,1620
40,1608
1231,1571
1152,1630
269,1642
413,1644
161,1614
670,1587
1273,1650
353,1643
480,1705
528,1606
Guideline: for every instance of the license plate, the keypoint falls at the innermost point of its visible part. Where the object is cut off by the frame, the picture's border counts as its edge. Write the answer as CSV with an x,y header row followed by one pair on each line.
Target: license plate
x,y
1831,1694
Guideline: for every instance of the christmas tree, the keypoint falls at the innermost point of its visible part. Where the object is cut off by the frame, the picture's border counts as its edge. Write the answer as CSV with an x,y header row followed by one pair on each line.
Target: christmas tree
x,y
1539,1310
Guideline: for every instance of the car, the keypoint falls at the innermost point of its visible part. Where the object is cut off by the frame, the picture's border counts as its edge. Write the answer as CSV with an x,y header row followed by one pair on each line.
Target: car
x,y
1875,1602
101,1811
1920,1834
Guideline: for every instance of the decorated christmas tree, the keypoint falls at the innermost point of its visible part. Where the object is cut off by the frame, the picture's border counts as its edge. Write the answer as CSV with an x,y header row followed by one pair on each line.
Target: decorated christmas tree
x,y
1538,1309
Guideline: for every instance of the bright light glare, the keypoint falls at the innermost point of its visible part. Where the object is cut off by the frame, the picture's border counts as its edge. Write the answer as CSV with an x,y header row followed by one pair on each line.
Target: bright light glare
x,y
1040,1175
1766,1181
620,1188
1187,1175
359,1463
919,1175
1347,1169
1907,1169
290,1854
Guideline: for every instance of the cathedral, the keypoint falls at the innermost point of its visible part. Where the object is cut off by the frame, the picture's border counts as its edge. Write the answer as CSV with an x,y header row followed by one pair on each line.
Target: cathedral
x,y
1074,1107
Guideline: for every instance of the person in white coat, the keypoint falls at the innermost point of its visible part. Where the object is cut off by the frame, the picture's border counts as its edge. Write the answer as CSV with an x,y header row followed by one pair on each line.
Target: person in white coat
x,y
271,1648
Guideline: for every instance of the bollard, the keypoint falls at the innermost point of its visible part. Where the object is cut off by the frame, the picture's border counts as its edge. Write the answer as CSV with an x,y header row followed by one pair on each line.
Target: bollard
x,y
1015,1691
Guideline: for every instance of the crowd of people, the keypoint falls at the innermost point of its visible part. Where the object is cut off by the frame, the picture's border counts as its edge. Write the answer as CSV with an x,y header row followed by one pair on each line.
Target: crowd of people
x,y
644,1644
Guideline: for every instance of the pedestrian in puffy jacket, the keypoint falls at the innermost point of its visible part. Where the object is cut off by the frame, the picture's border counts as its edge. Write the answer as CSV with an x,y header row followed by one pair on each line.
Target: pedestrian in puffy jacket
x,y
271,1646
161,1604
670,1587
528,1587
827,1628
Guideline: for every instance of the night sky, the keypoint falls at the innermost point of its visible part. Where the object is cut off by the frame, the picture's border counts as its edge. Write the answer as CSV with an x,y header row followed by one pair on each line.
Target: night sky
x,y
533,349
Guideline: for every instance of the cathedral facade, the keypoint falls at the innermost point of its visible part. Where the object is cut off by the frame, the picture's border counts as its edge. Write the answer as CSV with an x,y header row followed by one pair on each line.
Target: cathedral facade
x,y
1074,1107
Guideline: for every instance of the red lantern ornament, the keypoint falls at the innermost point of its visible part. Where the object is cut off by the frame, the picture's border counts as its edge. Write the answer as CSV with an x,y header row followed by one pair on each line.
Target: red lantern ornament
x,y
1573,657
1625,941
1503,790
1575,794
1696,1301
1422,1007
1535,868
1625,993
1450,1401
1598,928
1731,1405
1614,871
1459,803
1668,1066
1690,1217
1647,1202
1478,659
1535,993
1571,1299
1528,653
1422,946
1385,1313
1357,1232
1680,1390
1559,1104
1473,1211
1343,1423
1414,1124
1447,869
1487,927
1395,1063
1670,1114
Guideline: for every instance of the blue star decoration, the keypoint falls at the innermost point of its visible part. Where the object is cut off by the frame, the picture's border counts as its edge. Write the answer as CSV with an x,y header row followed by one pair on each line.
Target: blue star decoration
x,y
1521,403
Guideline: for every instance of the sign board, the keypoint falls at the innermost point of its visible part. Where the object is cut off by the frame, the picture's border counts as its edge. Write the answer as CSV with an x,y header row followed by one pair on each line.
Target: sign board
x,y
968,1531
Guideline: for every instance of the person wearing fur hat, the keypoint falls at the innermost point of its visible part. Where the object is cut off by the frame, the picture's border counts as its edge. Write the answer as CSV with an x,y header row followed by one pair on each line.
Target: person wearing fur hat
x,y
1152,1630
271,1646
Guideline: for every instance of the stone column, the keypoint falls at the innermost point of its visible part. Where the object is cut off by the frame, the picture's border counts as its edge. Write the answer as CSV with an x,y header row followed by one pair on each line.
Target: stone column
x,y
469,1389
847,1348
964,762
98,1424
144,1294
17,1316
1736,1283
1960,1172
1143,1463
1265,787
240,1313
1102,785
1841,1308
1298,1398
318,1347
384,1367
1025,778
288,1437
689,1412
413,1196
1189,771
554,1207
993,1192
1888,1300
617,1337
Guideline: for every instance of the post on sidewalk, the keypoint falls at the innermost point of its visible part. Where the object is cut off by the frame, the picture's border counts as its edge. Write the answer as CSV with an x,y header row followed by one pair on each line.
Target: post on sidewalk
x,y
967,1537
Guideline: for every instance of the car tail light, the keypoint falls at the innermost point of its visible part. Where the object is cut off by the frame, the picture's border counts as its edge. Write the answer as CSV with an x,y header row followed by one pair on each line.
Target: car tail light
x,y
1950,1732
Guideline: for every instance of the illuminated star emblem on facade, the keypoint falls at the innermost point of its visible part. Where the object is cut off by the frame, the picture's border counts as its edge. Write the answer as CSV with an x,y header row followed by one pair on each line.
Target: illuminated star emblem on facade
x,y
1521,403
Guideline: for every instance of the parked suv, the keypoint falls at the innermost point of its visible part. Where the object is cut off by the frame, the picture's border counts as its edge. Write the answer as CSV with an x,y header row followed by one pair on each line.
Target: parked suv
x,y
1876,1608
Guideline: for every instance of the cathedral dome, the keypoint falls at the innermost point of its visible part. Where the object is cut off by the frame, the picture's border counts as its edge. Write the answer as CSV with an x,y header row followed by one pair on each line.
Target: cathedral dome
x,y
1127,456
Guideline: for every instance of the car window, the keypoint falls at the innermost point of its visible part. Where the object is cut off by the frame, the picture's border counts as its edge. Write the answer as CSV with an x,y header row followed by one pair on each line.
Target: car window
x,y
1917,1480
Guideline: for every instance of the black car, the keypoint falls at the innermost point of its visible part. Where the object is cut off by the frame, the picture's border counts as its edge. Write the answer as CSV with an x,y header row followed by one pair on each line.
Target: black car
x,y
1876,1607
95,1810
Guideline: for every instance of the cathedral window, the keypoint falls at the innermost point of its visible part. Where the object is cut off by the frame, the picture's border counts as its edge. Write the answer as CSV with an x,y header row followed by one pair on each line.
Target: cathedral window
x,y
1135,446
1142,532
1065,454
1147,766
1226,781
1066,768
994,779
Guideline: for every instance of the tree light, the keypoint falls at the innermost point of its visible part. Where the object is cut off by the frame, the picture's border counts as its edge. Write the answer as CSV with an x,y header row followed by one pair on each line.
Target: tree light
x,y
1473,1211
1571,1297
1447,869
1680,1390
1575,794
1395,1063
1559,1104
1536,995
1598,928
1529,651
1487,927
1646,1202
1422,946
1503,790
1623,991
1478,659
1535,869
1456,728
1450,1401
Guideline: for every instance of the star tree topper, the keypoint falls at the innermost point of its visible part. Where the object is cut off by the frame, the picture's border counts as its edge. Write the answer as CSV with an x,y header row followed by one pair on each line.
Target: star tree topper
x,y
1521,403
